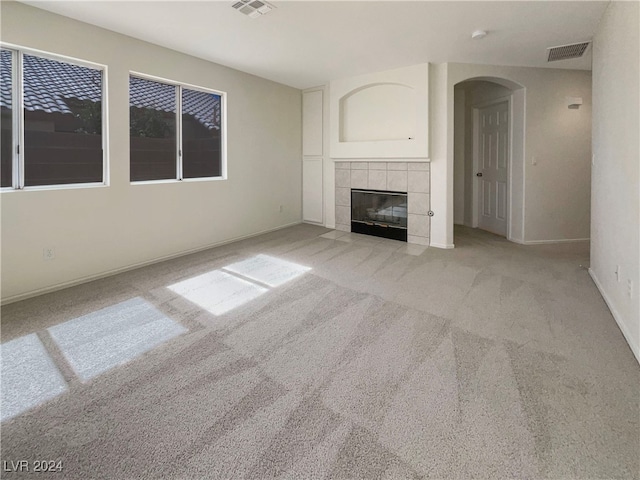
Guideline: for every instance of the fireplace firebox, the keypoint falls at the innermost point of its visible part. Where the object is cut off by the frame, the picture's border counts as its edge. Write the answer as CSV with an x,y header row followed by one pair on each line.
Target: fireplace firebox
x,y
379,213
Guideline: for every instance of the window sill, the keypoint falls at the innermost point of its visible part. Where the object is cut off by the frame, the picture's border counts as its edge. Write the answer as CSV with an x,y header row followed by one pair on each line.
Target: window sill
x,y
40,188
186,180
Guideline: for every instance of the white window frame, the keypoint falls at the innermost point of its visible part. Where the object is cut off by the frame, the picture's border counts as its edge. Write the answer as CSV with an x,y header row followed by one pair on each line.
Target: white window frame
x,y
17,93
223,127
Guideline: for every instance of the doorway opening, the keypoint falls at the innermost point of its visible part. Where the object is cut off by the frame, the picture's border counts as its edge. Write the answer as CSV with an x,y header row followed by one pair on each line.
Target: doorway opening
x,y
488,159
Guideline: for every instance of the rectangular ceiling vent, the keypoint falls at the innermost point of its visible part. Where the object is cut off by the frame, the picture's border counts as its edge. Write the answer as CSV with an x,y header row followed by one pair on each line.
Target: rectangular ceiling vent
x,y
564,52
253,8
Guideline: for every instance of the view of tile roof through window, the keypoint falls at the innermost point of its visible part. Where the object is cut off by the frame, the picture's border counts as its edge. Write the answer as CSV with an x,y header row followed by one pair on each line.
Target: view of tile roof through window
x,y
5,86
199,105
49,83
158,96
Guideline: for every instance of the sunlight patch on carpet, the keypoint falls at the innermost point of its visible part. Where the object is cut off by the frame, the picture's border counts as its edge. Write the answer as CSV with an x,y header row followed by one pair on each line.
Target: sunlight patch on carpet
x,y
29,376
268,270
101,340
217,292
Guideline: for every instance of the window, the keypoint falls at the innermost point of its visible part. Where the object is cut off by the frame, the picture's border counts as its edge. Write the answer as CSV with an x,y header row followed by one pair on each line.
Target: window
x,y
6,118
51,122
175,131
152,123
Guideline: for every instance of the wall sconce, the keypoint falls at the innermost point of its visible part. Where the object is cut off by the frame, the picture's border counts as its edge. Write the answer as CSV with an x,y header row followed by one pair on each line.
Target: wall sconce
x,y
574,102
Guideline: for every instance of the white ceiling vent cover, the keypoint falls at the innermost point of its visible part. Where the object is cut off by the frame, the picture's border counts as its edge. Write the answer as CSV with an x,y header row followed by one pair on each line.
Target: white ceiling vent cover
x,y
563,52
253,8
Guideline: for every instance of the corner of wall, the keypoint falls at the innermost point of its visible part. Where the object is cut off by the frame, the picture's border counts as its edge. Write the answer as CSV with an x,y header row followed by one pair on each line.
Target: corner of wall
x,y
633,342
441,155
615,179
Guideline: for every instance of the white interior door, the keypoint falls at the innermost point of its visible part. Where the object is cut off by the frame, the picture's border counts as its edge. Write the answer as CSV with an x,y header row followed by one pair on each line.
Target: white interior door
x,y
492,151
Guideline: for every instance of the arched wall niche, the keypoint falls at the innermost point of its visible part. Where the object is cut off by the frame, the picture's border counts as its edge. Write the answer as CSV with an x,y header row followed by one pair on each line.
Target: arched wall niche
x,y
382,115
378,112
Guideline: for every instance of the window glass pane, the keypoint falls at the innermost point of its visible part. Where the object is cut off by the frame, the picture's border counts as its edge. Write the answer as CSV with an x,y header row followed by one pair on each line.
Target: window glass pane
x,y
152,123
62,122
6,120
201,144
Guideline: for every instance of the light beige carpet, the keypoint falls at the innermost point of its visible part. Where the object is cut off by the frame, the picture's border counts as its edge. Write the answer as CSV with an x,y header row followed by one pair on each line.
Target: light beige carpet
x,y
492,360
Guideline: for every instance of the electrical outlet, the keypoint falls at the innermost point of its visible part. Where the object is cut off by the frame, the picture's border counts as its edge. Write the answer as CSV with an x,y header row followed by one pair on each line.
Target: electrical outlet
x,y
617,272
48,253
630,288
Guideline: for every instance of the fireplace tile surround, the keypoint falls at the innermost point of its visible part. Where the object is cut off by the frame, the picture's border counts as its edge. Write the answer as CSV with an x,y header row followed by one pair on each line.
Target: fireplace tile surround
x,y
410,177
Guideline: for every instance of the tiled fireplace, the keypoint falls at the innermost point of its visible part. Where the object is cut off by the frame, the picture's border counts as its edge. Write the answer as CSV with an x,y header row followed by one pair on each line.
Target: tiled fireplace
x,y
409,177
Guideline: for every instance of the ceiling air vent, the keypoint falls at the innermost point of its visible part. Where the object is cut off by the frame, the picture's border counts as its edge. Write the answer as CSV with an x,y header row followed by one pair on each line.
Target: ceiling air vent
x,y
563,52
253,8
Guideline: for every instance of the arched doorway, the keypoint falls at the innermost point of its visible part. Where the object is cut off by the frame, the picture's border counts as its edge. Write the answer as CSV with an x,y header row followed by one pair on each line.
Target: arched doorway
x,y
488,156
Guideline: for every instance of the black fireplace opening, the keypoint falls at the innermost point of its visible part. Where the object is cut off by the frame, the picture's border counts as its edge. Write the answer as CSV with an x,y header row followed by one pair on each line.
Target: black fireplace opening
x,y
379,213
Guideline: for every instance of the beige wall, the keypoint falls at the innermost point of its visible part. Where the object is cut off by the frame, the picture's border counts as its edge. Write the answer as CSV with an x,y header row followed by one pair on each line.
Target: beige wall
x,y
556,189
615,208
99,230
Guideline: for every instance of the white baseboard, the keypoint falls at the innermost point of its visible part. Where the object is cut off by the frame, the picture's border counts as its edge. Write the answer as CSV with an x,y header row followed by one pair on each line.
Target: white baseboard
x,y
109,273
311,222
442,245
561,240
635,348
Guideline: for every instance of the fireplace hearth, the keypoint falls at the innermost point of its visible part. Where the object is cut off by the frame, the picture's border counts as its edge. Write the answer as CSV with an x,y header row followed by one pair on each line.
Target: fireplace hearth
x,y
379,213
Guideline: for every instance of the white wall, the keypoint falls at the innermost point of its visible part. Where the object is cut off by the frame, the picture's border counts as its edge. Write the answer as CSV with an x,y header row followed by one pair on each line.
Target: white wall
x,y
381,115
99,230
459,156
557,188
615,195
440,143
328,167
